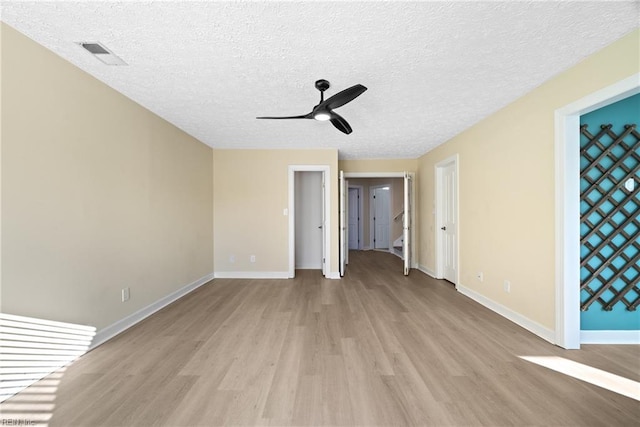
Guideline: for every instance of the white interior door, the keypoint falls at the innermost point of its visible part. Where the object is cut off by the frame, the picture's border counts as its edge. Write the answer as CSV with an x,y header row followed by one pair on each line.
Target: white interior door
x,y
407,224
346,222
343,222
323,226
448,226
309,206
381,217
354,218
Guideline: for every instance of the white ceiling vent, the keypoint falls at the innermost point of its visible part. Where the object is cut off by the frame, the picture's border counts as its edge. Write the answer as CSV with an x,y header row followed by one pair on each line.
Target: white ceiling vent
x,y
102,53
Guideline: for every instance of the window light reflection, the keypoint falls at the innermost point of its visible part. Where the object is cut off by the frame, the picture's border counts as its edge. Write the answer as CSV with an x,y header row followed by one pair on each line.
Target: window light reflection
x,y
589,374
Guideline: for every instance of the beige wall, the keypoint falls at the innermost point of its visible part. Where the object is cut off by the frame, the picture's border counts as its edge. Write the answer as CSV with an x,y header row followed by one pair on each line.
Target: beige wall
x,y
251,192
379,165
506,184
98,194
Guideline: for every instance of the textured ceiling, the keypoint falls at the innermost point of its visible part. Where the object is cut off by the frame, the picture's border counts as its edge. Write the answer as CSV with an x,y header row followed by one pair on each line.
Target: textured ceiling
x,y
432,68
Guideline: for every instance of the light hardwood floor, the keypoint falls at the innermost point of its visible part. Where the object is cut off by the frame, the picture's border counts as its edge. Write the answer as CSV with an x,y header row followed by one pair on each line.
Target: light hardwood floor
x,y
375,348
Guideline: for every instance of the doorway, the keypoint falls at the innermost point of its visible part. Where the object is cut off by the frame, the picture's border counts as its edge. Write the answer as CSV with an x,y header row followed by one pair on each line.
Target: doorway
x,y
446,191
401,203
302,178
567,205
308,220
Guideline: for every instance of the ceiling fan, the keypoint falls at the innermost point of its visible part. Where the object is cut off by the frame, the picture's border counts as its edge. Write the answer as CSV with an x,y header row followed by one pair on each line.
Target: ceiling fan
x,y
324,110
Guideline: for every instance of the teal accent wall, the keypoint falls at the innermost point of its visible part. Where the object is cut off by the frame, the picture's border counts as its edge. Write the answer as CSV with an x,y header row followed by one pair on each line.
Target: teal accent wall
x,y
624,112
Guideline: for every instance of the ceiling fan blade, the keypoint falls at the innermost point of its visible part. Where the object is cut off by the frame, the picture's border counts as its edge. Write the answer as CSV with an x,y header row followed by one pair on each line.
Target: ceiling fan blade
x,y
341,98
340,123
306,116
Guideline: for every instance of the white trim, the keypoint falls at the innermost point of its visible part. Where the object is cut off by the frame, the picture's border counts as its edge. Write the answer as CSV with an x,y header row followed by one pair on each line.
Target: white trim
x,y
334,275
567,205
610,337
408,222
517,318
360,189
427,271
105,334
251,275
454,159
326,170
343,245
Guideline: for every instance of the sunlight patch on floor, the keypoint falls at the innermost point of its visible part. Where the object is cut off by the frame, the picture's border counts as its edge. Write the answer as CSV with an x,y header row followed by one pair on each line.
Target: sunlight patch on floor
x,y
33,354
591,375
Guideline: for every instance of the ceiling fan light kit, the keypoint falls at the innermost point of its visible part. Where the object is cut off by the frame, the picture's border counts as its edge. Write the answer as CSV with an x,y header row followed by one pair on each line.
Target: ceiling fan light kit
x,y
324,110
322,116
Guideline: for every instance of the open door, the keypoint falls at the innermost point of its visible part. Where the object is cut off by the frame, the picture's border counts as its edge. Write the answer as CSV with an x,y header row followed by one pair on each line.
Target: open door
x,y
406,232
346,222
325,269
343,222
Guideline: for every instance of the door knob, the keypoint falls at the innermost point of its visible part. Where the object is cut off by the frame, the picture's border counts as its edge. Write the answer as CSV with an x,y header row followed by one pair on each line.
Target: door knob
x,y
443,228
319,226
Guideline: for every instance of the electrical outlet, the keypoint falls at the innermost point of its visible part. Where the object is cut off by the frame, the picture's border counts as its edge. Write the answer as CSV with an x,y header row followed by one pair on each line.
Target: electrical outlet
x,y
252,258
480,276
125,294
232,258
507,286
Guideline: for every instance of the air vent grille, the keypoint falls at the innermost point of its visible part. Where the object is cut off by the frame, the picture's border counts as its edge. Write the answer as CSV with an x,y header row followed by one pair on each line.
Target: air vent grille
x,y
101,52
95,48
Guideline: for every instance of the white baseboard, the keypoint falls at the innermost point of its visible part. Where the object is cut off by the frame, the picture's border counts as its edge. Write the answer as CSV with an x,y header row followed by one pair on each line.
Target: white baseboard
x,y
104,335
251,275
610,337
517,318
111,331
333,275
426,271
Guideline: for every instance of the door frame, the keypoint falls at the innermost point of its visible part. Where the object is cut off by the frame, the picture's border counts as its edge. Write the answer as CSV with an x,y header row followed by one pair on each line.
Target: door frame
x,y
439,244
354,175
360,189
408,221
372,224
567,204
326,230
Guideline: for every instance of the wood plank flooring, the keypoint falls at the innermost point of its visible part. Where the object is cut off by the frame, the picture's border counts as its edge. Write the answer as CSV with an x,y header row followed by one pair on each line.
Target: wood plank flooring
x,y
375,348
